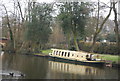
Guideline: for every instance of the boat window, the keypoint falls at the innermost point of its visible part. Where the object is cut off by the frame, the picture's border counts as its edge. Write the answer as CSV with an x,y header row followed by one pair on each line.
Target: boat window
x,y
56,52
72,54
59,53
65,54
68,54
62,53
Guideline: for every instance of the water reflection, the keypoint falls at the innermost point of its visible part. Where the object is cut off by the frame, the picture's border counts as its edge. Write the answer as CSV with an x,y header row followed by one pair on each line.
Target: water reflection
x,y
32,67
42,68
75,69
81,71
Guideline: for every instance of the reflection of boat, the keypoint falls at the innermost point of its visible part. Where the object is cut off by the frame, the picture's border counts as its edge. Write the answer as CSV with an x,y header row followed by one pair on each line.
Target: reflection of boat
x,y
74,69
76,57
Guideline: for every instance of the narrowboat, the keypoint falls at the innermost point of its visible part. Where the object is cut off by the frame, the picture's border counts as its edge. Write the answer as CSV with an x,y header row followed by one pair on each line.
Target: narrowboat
x,y
77,57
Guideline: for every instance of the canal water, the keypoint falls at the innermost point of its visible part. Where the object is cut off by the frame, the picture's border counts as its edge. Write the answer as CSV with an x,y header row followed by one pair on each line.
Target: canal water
x,y
34,67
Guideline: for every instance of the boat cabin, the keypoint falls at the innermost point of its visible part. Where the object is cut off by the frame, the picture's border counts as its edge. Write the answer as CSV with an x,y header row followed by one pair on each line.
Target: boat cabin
x,y
73,55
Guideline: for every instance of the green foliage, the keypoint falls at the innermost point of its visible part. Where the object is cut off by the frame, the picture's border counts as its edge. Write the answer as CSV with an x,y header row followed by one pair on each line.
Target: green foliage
x,y
38,27
103,48
111,37
73,17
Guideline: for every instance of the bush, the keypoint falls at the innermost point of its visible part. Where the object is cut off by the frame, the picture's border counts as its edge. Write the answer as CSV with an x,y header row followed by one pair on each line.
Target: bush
x,y
103,48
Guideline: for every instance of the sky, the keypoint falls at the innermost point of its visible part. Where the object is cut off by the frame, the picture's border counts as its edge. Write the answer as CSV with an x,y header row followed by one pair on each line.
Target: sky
x,y
9,5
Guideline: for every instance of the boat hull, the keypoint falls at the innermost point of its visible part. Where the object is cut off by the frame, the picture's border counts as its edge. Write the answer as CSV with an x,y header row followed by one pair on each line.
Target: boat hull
x,y
90,63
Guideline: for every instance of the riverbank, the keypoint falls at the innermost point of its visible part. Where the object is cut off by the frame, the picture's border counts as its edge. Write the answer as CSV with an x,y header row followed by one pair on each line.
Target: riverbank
x,y
114,59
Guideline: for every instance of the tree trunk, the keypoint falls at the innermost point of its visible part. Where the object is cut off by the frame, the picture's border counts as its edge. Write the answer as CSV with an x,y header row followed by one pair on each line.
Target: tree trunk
x,y
68,39
10,31
95,35
98,30
116,29
93,44
20,11
75,42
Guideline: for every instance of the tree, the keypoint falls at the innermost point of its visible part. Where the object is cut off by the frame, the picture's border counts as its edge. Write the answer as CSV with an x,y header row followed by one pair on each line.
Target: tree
x,y
116,29
10,30
98,29
73,17
16,23
90,27
20,11
38,27
57,35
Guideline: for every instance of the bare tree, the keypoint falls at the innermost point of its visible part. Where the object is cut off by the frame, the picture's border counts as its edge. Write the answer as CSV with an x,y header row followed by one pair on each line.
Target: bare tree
x,y
10,30
98,29
57,35
20,11
116,29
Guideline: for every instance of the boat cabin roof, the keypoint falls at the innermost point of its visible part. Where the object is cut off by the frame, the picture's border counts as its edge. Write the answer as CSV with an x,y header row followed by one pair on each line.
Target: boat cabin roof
x,y
74,52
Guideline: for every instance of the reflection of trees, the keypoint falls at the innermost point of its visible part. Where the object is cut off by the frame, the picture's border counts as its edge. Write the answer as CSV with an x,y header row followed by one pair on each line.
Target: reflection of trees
x,y
32,67
7,61
74,69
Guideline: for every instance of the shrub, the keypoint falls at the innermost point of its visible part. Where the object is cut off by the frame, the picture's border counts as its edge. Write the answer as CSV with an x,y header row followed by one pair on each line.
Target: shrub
x,y
103,48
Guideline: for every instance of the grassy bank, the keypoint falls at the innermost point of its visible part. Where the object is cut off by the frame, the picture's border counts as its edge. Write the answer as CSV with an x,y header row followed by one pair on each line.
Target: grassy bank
x,y
46,51
112,58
